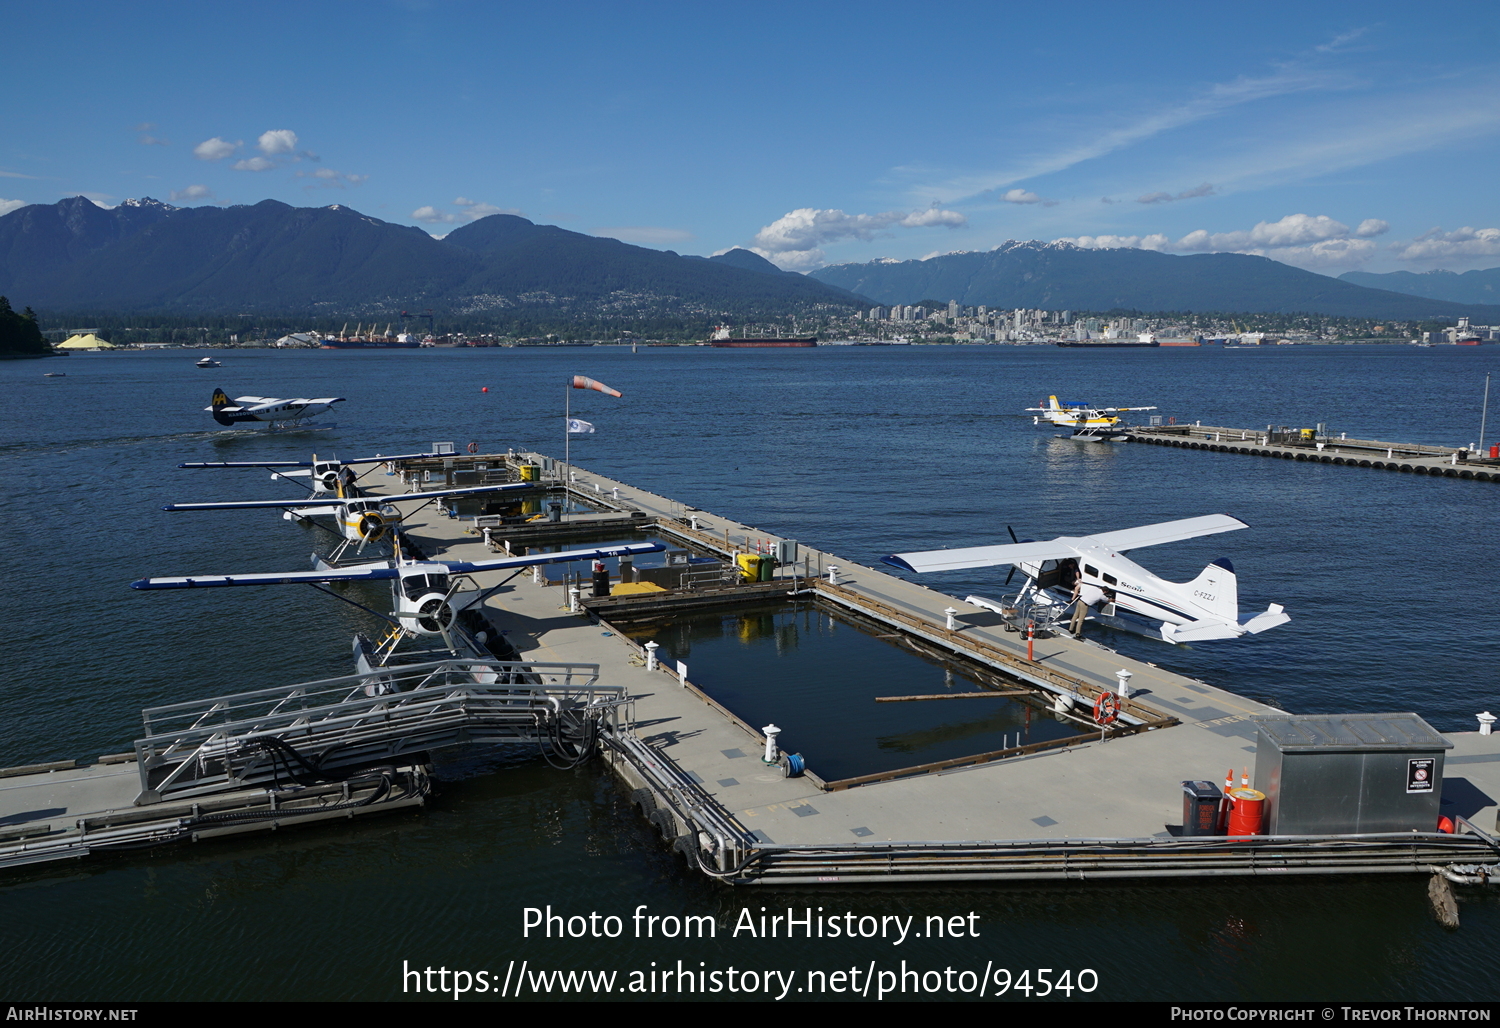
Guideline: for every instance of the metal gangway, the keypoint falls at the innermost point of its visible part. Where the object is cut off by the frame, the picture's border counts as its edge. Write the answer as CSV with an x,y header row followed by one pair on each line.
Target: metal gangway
x,y
318,730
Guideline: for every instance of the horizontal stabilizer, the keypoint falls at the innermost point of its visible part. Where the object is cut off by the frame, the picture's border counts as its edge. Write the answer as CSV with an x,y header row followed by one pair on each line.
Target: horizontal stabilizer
x,y
1274,615
1201,631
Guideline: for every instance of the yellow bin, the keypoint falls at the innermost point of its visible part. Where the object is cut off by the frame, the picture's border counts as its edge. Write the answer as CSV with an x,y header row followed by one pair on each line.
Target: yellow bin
x,y
749,566
529,472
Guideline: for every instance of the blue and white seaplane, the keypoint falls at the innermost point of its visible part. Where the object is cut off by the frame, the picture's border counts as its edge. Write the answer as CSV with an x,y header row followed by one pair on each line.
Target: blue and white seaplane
x,y
361,520
322,476
280,415
1117,592
1097,424
428,596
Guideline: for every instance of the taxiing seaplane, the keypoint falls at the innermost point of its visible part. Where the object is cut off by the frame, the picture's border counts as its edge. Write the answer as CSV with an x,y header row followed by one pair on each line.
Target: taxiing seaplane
x,y
280,414
323,476
362,520
428,595
1101,424
1117,592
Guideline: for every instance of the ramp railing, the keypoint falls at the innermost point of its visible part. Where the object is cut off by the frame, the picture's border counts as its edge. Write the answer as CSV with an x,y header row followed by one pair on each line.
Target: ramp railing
x,y
319,730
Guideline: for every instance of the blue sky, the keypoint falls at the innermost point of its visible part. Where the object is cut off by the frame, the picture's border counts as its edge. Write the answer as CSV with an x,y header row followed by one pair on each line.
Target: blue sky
x,y
1332,136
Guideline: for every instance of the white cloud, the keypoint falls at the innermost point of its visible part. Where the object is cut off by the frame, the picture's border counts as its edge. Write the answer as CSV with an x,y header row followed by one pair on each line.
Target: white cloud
x,y
6,206
1437,245
464,201
649,234
432,215
146,140
330,178
484,210
198,192
794,240
1303,240
277,141
1021,196
215,149
254,164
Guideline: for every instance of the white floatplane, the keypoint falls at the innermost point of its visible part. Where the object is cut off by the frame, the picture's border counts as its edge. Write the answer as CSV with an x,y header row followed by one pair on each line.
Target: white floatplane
x,y
362,520
280,414
1116,592
1101,424
427,595
323,476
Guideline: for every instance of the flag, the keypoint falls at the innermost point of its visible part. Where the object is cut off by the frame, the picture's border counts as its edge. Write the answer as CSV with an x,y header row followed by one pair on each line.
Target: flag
x,y
580,382
578,427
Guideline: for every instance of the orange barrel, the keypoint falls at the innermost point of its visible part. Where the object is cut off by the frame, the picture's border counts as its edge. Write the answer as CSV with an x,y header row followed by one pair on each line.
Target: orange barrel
x,y
1246,811
1495,453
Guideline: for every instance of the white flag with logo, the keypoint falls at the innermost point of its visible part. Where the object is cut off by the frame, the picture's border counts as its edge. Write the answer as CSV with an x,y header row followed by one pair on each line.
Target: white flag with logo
x,y
577,426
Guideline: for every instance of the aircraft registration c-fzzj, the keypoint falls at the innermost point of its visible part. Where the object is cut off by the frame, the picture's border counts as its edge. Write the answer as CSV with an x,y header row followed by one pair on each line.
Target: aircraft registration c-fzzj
x,y
265,408
429,594
1118,592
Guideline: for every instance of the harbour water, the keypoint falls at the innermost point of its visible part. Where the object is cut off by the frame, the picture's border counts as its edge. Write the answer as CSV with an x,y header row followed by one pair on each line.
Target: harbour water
x,y
859,451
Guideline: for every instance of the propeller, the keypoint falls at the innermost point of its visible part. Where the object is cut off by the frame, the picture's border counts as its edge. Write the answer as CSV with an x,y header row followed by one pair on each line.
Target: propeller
x,y
435,614
1013,539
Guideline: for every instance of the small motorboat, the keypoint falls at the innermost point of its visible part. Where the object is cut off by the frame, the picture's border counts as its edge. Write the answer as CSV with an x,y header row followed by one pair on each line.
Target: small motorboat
x,y
208,362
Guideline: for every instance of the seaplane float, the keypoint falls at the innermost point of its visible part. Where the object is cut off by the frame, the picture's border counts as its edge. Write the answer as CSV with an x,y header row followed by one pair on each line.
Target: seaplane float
x,y
1086,423
1092,570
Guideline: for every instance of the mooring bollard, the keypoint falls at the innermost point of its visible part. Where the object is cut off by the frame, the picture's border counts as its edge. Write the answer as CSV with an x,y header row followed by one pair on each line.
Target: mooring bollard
x,y
771,732
651,648
1123,689
1486,723
950,611
833,574
573,599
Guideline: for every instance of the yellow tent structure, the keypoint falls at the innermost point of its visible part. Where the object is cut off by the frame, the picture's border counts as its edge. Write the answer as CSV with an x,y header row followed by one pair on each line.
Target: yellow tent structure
x,y
88,342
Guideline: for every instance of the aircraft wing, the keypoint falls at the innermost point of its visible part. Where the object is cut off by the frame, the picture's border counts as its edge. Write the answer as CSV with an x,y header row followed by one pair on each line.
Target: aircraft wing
x,y
1167,532
302,504
980,556
253,504
625,549
362,573
307,463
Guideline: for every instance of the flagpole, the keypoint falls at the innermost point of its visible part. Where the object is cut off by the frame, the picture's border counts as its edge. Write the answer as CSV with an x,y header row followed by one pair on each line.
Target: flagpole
x,y
567,444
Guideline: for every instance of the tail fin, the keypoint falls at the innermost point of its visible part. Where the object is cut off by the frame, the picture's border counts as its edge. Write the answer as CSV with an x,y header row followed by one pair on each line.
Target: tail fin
x,y
1053,404
218,403
1218,591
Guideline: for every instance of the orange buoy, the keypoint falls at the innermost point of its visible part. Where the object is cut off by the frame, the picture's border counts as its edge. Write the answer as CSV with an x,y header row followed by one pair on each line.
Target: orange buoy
x,y
1445,825
484,389
1247,808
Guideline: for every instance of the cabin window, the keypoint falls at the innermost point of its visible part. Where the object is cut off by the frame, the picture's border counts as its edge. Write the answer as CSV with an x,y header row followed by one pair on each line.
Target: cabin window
x,y
1109,580
1091,571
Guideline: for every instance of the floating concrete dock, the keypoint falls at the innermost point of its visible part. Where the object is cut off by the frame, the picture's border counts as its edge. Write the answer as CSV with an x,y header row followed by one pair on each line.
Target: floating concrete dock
x,y
1104,802
1308,445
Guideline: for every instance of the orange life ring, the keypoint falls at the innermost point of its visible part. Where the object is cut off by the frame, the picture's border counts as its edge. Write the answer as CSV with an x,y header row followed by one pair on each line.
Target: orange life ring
x,y
1106,708
473,447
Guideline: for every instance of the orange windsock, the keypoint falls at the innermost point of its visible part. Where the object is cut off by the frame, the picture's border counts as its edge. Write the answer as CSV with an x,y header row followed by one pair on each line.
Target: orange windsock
x,y
580,382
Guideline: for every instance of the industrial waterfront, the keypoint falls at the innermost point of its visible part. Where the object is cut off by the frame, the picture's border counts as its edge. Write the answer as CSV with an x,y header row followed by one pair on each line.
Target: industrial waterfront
x,y
858,454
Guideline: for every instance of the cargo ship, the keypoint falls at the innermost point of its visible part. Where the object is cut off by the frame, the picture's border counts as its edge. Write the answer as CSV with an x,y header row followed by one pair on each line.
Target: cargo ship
x,y
370,341
1144,339
721,338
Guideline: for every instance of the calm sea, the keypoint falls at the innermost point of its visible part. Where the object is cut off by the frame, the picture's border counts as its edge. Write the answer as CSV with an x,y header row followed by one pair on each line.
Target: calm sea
x,y
1390,581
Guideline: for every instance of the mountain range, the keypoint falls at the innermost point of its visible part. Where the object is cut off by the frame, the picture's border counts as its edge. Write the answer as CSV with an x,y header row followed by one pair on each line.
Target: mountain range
x,y
149,256
1468,287
1062,276
145,256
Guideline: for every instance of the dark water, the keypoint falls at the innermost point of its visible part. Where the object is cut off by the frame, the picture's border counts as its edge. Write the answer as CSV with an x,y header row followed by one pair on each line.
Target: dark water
x,y
861,451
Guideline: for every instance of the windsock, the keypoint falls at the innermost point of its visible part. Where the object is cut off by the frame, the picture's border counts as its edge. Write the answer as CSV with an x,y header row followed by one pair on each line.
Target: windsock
x,y
581,382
